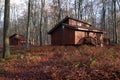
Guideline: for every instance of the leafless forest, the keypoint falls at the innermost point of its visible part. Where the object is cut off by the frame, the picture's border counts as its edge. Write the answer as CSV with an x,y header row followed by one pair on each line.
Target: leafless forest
x,y
39,60
44,14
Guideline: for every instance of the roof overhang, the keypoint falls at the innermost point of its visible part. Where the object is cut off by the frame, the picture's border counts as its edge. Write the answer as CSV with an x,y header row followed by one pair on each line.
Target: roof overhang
x,y
85,29
79,28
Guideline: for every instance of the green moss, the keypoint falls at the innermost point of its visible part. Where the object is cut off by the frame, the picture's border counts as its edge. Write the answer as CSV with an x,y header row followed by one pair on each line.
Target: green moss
x,y
9,57
20,56
92,61
20,52
2,60
79,65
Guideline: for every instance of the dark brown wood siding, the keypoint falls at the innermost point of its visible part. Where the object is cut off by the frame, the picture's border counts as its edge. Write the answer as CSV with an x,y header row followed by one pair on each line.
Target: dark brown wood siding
x,y
69,36
14,41
62,36
56,37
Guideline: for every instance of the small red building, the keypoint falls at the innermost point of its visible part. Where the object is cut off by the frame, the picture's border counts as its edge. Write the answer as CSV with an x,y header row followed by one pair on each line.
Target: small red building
x,y
71,31
17,39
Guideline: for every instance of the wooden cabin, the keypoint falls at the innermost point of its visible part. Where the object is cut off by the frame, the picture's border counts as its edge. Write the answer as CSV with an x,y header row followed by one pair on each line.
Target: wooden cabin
x,y
17,40
70,31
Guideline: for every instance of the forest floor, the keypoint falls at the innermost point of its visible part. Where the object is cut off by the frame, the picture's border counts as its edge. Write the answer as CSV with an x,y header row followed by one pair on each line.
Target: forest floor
x,y
62,63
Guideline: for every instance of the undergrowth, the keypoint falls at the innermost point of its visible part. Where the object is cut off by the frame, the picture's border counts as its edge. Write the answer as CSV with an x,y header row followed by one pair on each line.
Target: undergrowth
x,y
63,63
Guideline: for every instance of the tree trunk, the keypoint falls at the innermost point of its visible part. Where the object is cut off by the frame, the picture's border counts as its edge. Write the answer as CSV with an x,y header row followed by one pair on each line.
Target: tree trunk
x,y
80,9
114,22
28,27
103,15
41,16
75,9
6,47
59,9
118,2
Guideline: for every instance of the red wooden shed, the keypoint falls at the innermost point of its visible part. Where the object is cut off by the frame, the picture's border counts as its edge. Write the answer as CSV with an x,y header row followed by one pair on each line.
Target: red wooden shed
x,y
70,31
17,39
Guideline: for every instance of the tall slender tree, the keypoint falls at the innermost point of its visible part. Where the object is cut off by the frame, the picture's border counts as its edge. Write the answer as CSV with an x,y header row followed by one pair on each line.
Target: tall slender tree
x,y
28,27
41,19
103,15
75,8
59,9
114,22
80,2
6,47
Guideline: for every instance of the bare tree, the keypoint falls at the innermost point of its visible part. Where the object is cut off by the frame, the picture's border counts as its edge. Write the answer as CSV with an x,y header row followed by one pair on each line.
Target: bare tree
x,y
28,27
41,16
80,2
114,22
59,10
118,2
103,15
6,47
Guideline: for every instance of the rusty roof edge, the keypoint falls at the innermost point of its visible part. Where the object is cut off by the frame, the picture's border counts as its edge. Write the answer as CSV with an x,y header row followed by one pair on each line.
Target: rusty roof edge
x,y
84,29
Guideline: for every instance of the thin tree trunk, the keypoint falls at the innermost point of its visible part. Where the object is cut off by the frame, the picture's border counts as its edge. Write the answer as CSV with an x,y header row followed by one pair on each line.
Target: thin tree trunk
x,y
6,47
80,9
59,8
28,27
41,16
114,21
75,9
103,15
118,2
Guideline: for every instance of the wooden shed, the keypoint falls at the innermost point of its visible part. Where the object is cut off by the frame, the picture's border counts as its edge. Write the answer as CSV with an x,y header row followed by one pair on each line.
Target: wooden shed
x,y
70,31
17,39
